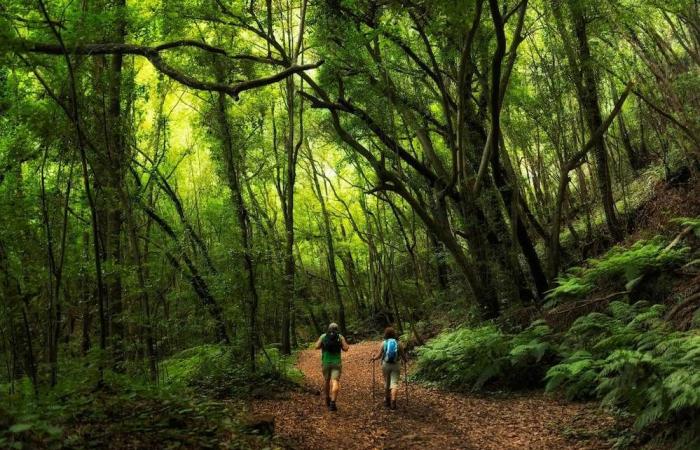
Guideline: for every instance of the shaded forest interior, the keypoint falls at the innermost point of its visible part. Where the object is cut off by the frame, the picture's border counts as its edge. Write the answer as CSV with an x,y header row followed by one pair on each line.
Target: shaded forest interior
x,y
191,190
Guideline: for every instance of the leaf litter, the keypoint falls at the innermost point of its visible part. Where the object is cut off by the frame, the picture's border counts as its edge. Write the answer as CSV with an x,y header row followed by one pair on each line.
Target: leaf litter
x,y
429,418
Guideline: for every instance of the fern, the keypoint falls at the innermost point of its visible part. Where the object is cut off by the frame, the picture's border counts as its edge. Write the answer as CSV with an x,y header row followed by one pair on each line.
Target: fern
x,y
628,357
471,358
464,358
532,345
569,285
642,257
617,268
631,359
693,222
574,375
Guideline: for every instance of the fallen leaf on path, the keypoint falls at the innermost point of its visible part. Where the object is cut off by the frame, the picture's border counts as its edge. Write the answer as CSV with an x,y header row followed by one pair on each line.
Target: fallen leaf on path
x,y
430,419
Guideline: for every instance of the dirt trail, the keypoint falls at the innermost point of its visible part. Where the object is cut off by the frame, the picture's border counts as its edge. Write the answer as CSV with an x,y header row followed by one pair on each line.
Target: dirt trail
x,y
431,419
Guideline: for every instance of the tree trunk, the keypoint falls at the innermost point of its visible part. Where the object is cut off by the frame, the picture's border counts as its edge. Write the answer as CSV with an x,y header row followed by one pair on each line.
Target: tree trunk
x,y
246,232
588,94
287,198
437,248
330,250
147,328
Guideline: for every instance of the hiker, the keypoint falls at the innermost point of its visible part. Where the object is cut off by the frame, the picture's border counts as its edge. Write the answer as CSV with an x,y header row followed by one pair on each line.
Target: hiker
x,y
331,343
390,353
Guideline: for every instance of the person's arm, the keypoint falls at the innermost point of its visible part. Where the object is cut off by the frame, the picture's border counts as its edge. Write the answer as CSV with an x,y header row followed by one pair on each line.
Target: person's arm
x,y
319,343
379,353
344,344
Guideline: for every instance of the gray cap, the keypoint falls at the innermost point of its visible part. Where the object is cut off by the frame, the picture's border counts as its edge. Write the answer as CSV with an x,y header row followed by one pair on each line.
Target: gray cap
x,y
333,327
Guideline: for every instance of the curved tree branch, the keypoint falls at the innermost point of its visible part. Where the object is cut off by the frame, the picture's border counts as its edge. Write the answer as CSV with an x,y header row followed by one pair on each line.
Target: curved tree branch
x,y
153,54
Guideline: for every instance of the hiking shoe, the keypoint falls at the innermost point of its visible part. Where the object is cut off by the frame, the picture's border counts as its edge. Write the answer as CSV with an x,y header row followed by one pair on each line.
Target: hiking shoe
x,y
393,404
332,407
387,403
328,401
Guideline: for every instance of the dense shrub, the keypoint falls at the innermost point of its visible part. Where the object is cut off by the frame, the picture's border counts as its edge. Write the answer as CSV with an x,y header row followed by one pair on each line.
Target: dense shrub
x,y
469,358
183,409
218,371
630,358
122,413
616,269
463,358
531,353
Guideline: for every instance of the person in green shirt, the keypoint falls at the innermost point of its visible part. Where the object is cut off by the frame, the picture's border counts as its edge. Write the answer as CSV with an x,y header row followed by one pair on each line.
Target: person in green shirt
x,y
331,343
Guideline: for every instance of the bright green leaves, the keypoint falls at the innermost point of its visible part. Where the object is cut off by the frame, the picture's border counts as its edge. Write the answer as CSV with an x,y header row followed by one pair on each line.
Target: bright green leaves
x,y
630,358
471,358
617,269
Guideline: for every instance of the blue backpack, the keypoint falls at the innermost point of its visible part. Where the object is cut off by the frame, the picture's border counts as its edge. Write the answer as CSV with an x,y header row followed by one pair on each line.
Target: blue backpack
x,y
391,350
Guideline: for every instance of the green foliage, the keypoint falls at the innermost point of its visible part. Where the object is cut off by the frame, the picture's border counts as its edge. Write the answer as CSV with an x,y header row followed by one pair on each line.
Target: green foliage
x,y
616,269
188,365
31,431
125,412
692,222
532,346
463,358
630,358
273,364
659,386
470,358
217,371
576,374
593,337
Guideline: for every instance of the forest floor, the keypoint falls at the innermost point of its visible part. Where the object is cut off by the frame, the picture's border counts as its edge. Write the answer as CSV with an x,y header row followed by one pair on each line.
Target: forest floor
x,y
429,418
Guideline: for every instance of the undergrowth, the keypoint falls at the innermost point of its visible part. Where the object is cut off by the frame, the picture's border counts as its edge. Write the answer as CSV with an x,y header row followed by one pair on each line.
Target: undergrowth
x,y
216,371
628,357
197,403
617,269
471,358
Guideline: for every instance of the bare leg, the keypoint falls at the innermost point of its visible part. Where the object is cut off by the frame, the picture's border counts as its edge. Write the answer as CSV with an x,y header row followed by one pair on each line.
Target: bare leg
x,y
327,388
394,392
387,390
335,387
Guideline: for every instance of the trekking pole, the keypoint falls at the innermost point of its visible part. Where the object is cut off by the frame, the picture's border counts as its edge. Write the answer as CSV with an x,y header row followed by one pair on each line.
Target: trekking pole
x,y
405,380
373,383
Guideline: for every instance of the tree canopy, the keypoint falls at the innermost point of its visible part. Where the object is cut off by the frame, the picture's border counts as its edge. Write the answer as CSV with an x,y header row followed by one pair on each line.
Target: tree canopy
x,y
186,172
